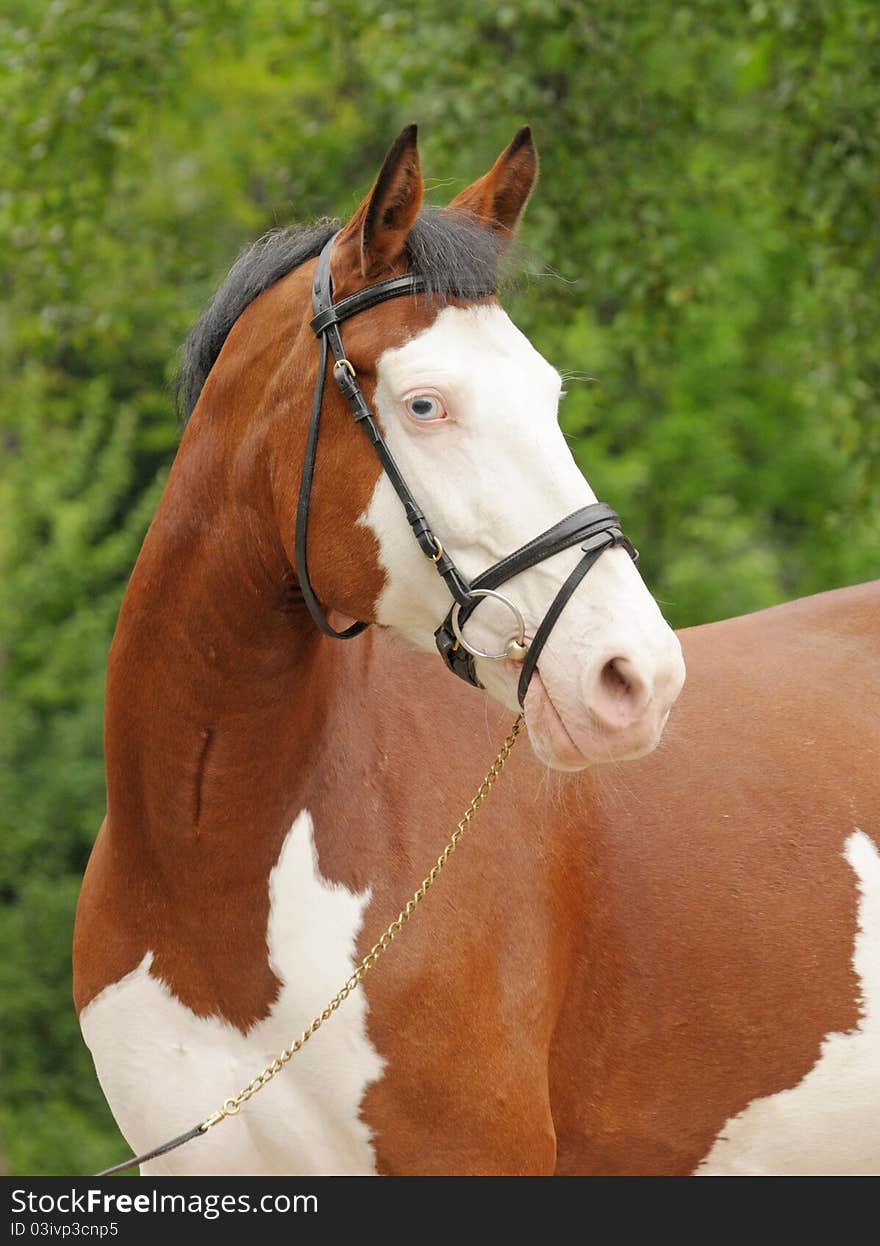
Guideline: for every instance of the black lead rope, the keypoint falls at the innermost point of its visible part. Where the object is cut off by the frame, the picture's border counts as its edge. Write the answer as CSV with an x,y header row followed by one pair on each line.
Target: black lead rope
x,y
171,1145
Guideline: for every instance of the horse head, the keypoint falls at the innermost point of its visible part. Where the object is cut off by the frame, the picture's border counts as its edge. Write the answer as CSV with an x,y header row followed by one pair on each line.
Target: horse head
x,y
467,409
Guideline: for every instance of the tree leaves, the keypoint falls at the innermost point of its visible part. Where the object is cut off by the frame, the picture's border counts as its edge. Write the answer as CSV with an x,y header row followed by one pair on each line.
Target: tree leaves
x,y
708,199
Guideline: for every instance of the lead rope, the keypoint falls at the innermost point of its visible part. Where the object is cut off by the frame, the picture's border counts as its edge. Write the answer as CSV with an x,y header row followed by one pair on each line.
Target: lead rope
x,y
233,1105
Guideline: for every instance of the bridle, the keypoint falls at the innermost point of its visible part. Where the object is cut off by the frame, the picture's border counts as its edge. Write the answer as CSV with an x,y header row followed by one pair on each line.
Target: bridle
x,y
595,527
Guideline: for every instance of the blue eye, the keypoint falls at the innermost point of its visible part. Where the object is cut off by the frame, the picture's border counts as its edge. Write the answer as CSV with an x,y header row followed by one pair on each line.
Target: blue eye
x,y
425,407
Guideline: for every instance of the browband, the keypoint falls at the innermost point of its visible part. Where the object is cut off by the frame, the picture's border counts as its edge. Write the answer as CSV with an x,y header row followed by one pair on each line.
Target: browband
x,y
361,300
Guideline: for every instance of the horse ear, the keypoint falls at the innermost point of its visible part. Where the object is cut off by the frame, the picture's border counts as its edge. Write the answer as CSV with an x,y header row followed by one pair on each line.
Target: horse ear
x,y
378,230
498,199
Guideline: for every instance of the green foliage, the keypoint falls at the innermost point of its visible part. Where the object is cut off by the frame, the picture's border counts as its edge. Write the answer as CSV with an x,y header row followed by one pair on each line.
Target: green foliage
x,y
708,203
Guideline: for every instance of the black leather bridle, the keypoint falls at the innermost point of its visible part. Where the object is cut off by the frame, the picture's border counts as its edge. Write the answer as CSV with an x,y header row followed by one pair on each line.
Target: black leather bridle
x,y
595,527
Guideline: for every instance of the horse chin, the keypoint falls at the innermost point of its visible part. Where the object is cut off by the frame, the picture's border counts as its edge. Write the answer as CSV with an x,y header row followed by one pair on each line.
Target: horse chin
x,y
561,746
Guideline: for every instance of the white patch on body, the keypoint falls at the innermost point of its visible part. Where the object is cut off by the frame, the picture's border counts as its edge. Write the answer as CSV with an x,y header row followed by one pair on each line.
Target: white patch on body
x,y
495,475
829,1123
163,1069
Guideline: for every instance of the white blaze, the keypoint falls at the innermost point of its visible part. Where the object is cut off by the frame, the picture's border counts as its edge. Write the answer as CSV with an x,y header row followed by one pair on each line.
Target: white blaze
x,y
493,476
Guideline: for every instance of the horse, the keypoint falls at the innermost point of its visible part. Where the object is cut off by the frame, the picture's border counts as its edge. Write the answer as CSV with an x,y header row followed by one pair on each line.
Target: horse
x,y
657,950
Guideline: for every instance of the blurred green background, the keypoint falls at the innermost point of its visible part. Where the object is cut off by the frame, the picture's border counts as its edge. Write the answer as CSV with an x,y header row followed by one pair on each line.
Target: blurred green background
x,y
709,205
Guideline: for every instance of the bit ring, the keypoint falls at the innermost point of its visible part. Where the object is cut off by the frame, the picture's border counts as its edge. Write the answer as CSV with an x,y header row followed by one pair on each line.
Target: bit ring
x,y
518,638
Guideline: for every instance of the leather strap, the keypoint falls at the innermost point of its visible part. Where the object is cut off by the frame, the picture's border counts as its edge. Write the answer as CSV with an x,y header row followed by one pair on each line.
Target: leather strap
x,y
171,1145
597,525
316,610
328,316
593,547
335,313
331,313
579,525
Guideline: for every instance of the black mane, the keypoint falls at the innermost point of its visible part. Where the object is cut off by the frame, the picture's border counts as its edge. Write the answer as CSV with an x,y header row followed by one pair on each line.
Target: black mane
x,y
450,250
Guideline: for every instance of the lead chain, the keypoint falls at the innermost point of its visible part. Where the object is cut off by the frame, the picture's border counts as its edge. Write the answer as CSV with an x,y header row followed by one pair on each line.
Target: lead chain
x,y
234,1104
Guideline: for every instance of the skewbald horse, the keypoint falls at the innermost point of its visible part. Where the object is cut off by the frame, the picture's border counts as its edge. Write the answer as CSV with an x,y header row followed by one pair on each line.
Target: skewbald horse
x,y
668,966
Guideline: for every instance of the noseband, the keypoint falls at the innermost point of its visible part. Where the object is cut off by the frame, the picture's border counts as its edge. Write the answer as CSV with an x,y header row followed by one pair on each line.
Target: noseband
x,y
596,527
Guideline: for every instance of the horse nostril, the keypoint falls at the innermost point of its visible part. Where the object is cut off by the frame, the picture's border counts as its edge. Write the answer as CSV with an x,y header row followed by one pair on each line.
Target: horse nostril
x,y
621,694
613,680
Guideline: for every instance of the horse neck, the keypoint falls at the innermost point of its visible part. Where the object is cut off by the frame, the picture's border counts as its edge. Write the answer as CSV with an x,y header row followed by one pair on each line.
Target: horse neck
x,y
213,692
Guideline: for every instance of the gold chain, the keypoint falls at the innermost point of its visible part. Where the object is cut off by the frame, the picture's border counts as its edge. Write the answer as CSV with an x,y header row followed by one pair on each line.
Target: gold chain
x,y
234,1104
